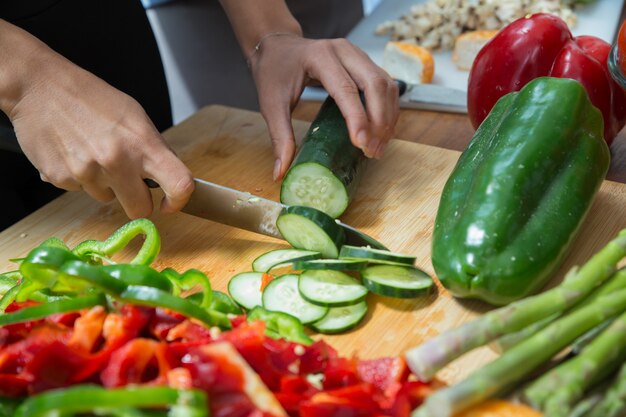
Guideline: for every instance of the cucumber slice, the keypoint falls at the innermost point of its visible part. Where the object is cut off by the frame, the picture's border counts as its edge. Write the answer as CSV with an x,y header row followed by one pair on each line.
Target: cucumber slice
x,y
282,295
310,229
312,184
245,289
334,264
330,288
268,260
327,168
375,255
341,319
397,281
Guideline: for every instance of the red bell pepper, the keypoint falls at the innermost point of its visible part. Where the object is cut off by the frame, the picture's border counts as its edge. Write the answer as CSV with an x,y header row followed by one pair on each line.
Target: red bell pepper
x,y
542,45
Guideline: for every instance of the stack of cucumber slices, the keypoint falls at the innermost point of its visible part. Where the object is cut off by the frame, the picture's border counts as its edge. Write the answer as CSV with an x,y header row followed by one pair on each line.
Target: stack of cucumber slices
x,y
328,283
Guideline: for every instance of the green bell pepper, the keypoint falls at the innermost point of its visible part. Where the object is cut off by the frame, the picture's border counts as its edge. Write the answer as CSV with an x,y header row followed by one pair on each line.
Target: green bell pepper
x,y
83,399
279,325
519,192
42,311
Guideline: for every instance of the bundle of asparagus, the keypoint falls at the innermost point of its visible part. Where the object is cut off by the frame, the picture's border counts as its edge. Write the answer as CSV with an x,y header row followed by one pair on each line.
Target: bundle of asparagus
x,y
588,311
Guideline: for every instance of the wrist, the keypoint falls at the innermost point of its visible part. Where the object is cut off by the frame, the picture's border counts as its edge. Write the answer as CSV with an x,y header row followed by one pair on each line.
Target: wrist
x,y
256,50
22,58
253,20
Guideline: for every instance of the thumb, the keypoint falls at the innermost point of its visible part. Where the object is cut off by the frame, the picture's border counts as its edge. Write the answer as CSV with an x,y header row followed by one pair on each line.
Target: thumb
x,y
277,114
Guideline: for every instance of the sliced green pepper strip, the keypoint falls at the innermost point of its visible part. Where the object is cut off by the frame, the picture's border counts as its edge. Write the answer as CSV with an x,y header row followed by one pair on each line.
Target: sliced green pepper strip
x,y
153,297
188,280
280,325
222,302
41,266
55,307
93,250
10,296
114,279
9,280
82,399
54,242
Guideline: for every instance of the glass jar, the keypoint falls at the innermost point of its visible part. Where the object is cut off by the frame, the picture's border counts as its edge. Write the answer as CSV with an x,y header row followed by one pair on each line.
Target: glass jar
x,y
617,57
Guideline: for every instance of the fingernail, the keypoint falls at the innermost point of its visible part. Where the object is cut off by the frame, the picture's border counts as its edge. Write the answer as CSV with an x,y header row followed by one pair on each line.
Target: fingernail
x,y
361,139
276,169
371,148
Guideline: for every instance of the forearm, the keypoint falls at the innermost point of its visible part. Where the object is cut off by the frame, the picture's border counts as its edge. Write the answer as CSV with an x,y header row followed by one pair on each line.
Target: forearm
x,y
20,62
252,19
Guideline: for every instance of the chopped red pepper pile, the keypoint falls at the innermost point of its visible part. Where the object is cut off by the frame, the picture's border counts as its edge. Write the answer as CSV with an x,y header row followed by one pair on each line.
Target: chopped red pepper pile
x,y
152,346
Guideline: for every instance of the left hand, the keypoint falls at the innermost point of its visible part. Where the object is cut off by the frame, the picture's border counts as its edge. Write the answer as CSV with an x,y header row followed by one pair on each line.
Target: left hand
x,y
285,64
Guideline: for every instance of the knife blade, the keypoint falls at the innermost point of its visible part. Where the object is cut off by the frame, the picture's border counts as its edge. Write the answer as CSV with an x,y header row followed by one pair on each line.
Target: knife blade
x,y
432,97
249,212
416,96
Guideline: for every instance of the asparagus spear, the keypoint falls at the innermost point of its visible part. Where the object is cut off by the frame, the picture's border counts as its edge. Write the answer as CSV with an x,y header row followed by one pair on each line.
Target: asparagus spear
x,y
516,364
614,402
560,388
428,358
616,282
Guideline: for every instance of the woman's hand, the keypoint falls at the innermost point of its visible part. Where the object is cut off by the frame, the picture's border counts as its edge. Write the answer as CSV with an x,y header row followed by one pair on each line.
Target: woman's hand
x,y
284,64
81,133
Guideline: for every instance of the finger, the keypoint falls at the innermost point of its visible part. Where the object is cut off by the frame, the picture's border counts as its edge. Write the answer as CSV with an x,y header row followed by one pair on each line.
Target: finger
x,y
330,71
133,195
66,183
381,94
99,192
172,175
275,108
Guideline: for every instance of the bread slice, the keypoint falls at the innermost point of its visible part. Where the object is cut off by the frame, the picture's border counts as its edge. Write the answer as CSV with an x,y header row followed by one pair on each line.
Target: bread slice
x,y
408,62
468,45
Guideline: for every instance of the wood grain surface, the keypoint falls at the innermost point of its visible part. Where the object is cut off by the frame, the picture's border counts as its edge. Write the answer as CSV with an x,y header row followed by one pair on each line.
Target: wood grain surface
x,y
396,203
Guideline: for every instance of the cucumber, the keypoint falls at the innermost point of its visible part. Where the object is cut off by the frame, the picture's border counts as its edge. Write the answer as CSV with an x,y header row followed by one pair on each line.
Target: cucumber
x,y
245,289
397,281
330,288
310,229
334,264
268,260
282,295
327,168
341,319
375,255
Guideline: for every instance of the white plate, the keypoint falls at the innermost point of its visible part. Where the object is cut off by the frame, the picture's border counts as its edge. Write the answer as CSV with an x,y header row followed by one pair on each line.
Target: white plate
x,y
600,19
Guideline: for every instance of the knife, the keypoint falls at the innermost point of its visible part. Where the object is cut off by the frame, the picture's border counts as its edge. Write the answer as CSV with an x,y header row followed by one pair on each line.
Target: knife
x,y
432,97
416,96
249,212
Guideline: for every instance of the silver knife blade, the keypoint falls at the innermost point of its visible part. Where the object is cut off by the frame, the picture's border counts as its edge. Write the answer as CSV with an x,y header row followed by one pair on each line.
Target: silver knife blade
x,y
434,97
249,212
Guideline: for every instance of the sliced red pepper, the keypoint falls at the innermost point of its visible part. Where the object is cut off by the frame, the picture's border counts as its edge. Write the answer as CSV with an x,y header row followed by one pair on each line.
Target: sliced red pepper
x,y
133,363
265,280
353,401
383,373
316,357
410,396
340,372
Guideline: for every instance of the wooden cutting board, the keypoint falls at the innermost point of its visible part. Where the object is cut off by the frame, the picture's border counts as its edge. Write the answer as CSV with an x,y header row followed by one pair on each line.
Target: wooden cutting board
x,y
396,203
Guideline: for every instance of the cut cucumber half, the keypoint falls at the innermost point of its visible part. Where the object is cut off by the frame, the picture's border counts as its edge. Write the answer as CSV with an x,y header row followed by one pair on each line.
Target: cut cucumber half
x,y
341,319
330,288
397,281
267,261
314,185
245,289
334,264
327,167
310,229
375,255
282,295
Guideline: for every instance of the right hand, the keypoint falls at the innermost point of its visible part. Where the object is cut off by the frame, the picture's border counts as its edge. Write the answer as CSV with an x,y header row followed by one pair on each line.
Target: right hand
x,y
81,133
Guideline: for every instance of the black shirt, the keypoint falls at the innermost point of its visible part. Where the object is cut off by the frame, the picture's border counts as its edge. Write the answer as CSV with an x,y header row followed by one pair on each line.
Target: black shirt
x,y
12,10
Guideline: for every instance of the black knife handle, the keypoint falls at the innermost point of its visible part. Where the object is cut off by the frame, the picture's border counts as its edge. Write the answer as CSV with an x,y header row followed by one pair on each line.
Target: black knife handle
x,y
151,183
402,86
